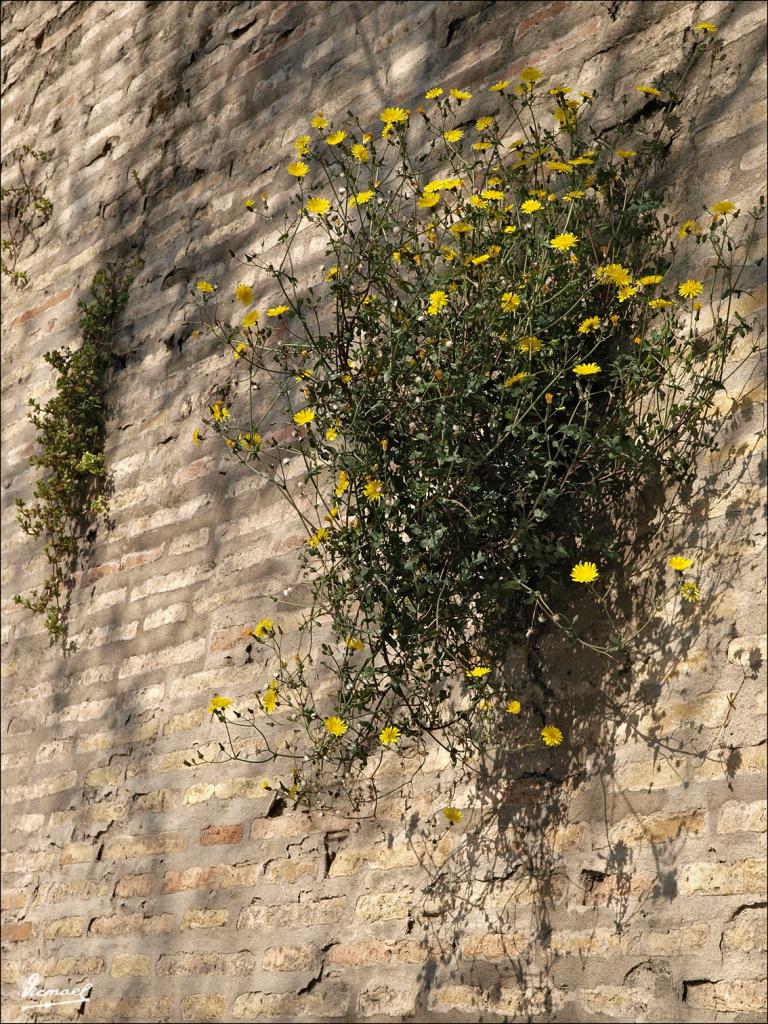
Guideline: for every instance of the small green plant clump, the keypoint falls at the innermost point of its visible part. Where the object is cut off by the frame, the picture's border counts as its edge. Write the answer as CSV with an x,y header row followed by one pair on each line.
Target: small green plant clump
x,y
505,349
70,435
25,209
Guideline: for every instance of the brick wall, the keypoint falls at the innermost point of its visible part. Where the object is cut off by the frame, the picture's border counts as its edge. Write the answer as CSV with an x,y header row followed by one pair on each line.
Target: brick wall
x,y
632,887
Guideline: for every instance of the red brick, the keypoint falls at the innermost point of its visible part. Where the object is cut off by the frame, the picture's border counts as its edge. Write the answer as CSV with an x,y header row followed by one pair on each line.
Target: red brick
x,y
17,932
216,834
37,310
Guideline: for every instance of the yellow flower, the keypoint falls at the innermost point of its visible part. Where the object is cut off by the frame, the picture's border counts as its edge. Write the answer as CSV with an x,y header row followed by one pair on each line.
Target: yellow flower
x,y
244,293
723,208
437,301
492,193
196,437
270,700
499,86
319,121
531,344
690,289
301,142
649,90
293,792
679,563
240,349
317,538
336,726
660,303
249,204
477,260
265,784
513,707
480,147
442,184
373,489
304,416
453,814
461,94
460,228
531,206
563,242
250,440
317,205
335,138
342,484
261,628
389,736
514,379
584,572
454,135
688,227
478,672
361,198
277,310
586,369
353,644
429,200
220,412
483,122
627,292
651,279
250,319
590,324
298,169
433,94
360,153
331,273
510,301
615,274
581,161
205,286
551,736
689,591
559,166
218,704
394,115
478,203
549,397
331,433
705,26
510,229
626,154
530,75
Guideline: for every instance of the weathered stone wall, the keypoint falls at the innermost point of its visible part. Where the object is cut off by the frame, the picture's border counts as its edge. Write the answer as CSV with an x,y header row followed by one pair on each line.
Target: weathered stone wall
x,y
189,894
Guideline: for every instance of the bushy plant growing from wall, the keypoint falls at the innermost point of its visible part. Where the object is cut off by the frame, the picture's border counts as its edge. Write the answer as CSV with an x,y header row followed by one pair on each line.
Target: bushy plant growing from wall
x,y
505,352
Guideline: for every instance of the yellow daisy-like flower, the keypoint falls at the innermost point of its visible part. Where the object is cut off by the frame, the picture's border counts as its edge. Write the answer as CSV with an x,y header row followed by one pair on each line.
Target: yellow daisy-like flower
x,y
277,310
722,209
388,737
530,75
615,274
590,324
218,704
244,293
249,204
559,166
626,154
220,412
302,141
581,161
513,707
437,301
298,169
510,229
461,94
531,344
480,147
336,137
453,814
460,228
649,90
319,121
494,194
342,484
433,94
478,203
477,260
651,279
361,198
261,629
239,351
394,115
252,441
688,227
250,319
478,672
514,379
499,86
563,242
531,206
660,303
442,184
454,135
270,701
331,433
331,273
336,726
690,289
705,26
689,591
429,200
304,416
510,301
584,572
483,122
360,152
205,286
353,644
317,538
318,205
586,369
373,489
679,563
627,292
551,736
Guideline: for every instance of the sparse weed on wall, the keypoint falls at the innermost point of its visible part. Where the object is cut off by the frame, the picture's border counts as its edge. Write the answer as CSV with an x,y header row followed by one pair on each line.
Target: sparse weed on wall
x,y
504,354
26,207
70,435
